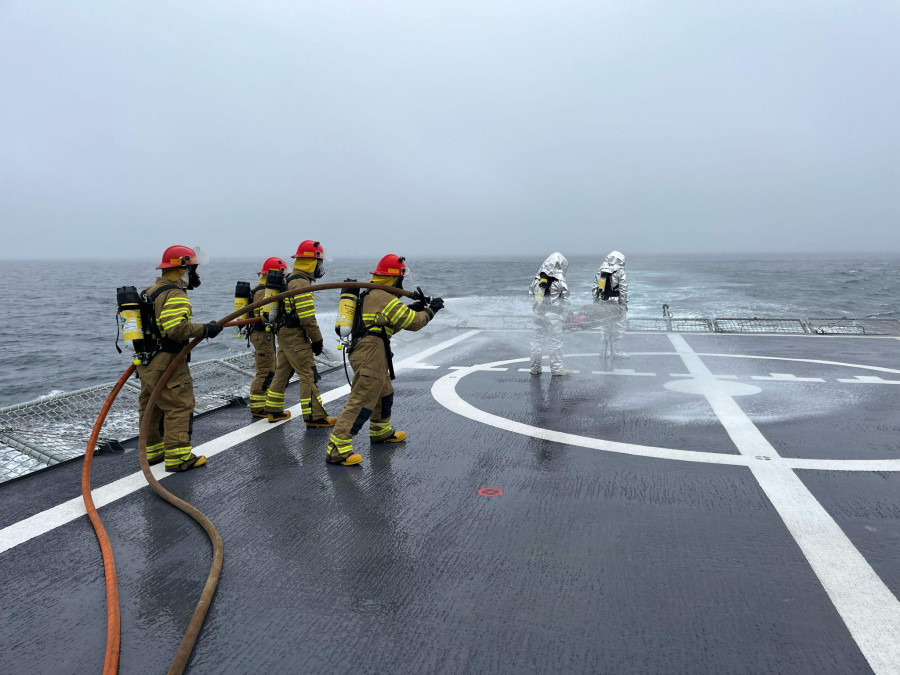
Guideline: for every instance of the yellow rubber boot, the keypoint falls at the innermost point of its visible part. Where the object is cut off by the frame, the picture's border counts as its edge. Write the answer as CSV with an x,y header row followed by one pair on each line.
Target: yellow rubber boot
x,y
397,437
324,422
279,415
340,451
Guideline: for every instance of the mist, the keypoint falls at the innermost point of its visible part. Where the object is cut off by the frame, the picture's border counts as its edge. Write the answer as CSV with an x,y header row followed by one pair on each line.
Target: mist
x,y
448,128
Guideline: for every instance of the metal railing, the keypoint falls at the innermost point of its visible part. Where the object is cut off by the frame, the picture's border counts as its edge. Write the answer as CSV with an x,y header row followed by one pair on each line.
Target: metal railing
x,y
55,428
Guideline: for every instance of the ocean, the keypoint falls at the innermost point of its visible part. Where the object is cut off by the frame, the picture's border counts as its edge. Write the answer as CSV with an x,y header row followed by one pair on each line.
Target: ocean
x,y
59,318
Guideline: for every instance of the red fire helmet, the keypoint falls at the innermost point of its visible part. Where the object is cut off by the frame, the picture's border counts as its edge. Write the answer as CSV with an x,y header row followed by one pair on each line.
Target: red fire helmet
x,y
178,256
273,264
310,249
391,266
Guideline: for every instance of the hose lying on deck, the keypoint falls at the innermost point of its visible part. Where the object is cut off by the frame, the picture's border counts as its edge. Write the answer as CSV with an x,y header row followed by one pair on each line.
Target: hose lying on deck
x,y
113,635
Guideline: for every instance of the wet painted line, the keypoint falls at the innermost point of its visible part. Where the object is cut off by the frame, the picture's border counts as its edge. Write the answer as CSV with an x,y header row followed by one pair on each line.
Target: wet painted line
x,y
868,379
444,392
867,606
785,377
57,516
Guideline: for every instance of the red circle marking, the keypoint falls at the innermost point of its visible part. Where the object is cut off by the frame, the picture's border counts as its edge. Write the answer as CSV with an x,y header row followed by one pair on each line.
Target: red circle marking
x,y
490,492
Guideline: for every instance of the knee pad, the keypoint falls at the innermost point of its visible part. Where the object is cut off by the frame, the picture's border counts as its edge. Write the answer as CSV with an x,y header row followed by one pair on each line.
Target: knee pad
x,y
387,402
362,418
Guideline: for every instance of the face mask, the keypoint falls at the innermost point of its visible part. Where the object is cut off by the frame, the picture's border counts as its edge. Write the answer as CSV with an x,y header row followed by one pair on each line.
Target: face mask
x,y
190,278
320,269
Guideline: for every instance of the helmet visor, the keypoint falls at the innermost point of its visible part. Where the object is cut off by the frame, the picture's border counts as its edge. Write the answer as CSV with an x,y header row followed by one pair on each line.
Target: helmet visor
x,y
201,257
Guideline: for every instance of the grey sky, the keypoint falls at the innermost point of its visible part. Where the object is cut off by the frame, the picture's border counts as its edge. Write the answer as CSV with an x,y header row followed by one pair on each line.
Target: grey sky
x,y
494,127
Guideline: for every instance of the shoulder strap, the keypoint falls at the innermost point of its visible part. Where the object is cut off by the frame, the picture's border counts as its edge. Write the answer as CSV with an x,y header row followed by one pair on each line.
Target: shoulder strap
x,y
162,289
294,275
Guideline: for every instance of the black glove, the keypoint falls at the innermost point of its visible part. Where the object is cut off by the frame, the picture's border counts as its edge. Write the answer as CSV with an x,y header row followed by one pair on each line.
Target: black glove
x,y
210,330
436,305
417,306
317,347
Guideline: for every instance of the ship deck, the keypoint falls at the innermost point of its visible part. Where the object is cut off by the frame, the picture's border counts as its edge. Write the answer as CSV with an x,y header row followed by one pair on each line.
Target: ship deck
x,y
716,503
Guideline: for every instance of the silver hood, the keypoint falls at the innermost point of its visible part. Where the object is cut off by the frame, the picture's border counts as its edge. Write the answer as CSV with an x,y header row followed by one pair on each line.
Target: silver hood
x,y
555,266
614,261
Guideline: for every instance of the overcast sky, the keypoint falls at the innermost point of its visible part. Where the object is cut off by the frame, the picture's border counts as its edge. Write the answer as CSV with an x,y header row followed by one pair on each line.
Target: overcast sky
x,y
490,127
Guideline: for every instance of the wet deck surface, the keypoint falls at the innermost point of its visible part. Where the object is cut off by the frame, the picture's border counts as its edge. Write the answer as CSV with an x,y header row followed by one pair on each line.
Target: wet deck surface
x,y
669,551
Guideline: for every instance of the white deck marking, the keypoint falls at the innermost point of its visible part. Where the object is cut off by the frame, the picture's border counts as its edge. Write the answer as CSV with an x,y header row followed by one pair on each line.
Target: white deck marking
x,y
421,366
785,377
622,371
495,370
718,377
869,609
869,379
444,392
544,369
48,520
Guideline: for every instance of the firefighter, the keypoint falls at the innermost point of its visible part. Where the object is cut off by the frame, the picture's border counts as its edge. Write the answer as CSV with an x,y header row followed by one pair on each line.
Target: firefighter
x,y
171,440
263,341
611,286
371,393
299,340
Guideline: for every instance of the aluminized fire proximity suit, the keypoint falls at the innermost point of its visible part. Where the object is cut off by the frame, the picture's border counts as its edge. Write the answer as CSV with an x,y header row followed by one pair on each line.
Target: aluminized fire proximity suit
x,y
550,293
175,405
263,342
611,285
298,340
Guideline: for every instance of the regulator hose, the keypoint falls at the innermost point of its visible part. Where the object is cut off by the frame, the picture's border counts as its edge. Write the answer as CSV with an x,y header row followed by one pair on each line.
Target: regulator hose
x,y
112,593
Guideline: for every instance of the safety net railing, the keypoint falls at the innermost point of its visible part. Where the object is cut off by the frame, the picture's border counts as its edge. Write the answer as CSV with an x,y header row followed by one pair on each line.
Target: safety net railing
x,y
55,428
845,326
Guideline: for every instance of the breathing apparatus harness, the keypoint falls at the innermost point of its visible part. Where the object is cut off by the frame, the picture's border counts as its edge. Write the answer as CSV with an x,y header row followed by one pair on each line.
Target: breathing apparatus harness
x,y
137,323
289,318
350,327
606,288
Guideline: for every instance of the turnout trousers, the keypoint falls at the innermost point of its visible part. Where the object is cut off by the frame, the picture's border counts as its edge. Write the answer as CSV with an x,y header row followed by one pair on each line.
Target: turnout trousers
x,y
616,328
295,356
371,397
263,342
170,417
548,329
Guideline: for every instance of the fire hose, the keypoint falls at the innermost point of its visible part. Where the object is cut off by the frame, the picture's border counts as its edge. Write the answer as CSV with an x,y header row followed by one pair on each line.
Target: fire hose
x,y
113,635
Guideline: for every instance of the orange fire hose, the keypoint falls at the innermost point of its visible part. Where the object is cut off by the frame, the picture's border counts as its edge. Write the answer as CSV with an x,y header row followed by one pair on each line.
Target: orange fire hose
x,y
113,635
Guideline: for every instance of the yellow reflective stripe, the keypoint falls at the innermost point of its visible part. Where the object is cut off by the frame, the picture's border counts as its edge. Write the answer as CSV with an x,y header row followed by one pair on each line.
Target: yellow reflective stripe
x,y
166,325
391,309
174,312
178,300
306,315
409,319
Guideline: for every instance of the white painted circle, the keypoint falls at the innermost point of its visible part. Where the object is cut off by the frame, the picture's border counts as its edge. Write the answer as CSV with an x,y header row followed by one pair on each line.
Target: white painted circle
x,y
700,387
444,392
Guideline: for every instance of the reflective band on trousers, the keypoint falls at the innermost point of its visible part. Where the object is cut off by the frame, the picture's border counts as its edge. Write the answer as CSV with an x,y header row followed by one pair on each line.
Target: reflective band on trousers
x,y
274,400
340,444
380,428
156,450
175,456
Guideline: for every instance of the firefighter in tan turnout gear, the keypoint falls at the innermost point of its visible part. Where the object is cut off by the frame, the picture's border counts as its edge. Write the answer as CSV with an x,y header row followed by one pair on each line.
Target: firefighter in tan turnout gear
x,y
299,340
175,405
371,392
263,340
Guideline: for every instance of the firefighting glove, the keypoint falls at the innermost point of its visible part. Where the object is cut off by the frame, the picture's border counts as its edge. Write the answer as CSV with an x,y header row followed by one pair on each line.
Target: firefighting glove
x,y
317,346
418,306
210,330
436,305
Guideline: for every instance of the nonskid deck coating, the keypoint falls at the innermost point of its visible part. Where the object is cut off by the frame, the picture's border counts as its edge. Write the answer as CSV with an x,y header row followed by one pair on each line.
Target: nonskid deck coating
x,y
588,561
